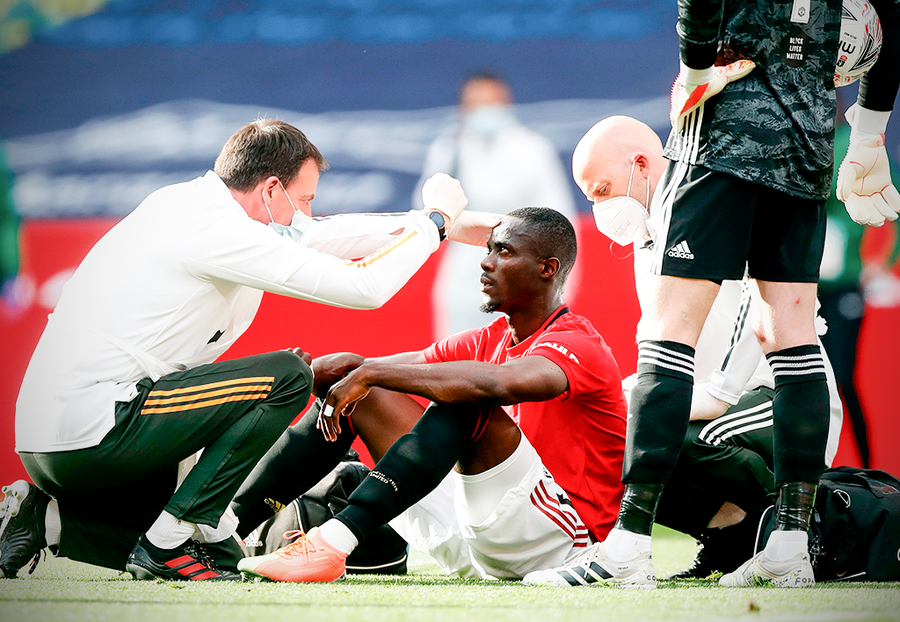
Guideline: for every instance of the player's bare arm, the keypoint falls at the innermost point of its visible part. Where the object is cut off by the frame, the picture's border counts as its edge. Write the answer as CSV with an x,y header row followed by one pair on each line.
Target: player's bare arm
x,y
528,379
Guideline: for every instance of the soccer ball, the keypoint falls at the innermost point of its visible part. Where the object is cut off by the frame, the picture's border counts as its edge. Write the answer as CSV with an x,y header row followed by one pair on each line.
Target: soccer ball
x,y
860,42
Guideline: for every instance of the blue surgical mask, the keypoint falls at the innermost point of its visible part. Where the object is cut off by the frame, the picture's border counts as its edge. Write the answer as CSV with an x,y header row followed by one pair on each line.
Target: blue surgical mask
x,y
299,222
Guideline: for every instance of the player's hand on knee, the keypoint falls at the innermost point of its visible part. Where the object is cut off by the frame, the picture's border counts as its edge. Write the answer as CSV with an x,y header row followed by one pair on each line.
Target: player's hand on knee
x,y
444,194
340,401
473,227
330,368
692,87
864,177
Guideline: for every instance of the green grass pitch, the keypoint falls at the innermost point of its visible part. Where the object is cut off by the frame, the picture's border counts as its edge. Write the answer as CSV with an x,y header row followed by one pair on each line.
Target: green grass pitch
x,y
61,590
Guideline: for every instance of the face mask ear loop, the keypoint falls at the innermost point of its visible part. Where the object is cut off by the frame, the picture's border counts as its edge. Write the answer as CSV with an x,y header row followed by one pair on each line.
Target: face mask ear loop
x,y
613,252
630,177
647,199
263,196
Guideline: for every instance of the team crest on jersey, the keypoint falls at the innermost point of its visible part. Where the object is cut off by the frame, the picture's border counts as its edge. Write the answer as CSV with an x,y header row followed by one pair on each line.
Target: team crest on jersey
x,y
680,251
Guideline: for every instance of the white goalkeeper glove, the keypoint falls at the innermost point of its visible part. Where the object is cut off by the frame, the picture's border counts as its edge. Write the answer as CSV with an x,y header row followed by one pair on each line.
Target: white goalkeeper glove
x,y
473,227
444,194
692,87
864,177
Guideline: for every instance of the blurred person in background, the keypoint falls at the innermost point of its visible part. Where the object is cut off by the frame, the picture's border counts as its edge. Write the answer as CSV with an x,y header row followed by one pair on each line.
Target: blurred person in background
x,y
503,165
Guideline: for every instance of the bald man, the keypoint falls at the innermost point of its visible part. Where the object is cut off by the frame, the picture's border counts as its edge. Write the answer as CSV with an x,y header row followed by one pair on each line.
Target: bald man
x,y
723,479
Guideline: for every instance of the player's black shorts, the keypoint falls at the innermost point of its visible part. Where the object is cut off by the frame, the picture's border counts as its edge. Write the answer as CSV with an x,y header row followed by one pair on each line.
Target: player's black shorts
x,y
711,225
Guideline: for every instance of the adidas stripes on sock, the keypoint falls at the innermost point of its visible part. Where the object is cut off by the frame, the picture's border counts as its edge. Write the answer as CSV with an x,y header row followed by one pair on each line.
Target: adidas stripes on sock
x,y
800,413
659,411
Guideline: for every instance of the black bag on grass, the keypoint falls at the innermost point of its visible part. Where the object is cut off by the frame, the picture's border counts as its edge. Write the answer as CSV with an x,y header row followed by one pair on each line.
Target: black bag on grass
x,y
854,533
384,552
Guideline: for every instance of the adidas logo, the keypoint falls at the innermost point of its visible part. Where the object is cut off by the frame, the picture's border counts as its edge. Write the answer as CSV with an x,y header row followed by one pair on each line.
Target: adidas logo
x,y
680,251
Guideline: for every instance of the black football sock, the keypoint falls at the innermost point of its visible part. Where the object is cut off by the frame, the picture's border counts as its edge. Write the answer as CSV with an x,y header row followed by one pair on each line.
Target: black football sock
x,y
413,466
658,411
295,463
800,414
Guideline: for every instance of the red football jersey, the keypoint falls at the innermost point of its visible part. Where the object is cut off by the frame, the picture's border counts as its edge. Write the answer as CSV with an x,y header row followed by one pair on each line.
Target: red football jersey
x,y
580,435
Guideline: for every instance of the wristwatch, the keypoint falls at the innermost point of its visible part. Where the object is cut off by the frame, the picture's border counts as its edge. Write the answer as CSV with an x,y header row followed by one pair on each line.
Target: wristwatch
x,y
438,219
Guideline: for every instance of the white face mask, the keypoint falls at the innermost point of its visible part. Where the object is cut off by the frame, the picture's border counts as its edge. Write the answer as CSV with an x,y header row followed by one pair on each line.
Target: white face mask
x,y
299,222
623,219
487,120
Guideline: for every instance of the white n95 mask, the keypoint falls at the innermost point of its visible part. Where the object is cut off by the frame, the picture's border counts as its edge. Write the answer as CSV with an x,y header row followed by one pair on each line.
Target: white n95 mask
x,y
622,219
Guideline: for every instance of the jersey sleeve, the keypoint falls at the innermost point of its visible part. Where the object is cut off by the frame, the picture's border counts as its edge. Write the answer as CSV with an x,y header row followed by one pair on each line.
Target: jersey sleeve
x,y
698,31
459,347
351,236
247,253
584,360
878,88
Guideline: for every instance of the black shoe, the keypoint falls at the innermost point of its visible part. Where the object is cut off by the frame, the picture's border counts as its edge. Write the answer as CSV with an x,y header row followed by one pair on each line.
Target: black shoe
x,y
188,562
22,530
701,567
721,550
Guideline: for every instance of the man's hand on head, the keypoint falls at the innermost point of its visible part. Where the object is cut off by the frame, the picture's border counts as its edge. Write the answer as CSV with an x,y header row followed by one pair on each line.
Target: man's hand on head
x,y
473,227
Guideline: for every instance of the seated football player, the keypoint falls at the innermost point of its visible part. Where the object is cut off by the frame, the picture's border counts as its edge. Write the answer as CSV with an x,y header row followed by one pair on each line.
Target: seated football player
x,y
527,416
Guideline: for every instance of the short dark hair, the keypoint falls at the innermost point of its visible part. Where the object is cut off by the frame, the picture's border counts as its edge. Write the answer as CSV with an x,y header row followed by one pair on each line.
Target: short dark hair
x,y
481,75
555,235
264,148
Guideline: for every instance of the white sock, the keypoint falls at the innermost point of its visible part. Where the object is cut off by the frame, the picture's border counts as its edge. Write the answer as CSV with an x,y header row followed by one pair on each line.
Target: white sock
x,y
624,546
338,535
169,532
784,545
52,523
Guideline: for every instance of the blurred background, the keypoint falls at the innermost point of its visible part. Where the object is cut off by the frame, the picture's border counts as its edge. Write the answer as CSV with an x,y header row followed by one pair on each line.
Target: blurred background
x,y
102,102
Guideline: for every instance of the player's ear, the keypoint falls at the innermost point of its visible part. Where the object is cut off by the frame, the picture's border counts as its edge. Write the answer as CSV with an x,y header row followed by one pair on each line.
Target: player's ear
x,y
549,267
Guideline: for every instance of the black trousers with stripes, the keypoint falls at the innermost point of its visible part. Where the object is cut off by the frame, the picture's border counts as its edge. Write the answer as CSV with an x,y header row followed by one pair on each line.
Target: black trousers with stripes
x,y
727,459
110,494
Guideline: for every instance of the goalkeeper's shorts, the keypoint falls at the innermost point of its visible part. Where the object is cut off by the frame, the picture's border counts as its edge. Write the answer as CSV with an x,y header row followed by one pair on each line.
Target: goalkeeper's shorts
x,y
711,225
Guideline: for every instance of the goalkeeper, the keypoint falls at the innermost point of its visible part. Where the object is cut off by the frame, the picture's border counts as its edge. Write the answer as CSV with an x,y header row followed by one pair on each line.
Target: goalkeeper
x,y
750,163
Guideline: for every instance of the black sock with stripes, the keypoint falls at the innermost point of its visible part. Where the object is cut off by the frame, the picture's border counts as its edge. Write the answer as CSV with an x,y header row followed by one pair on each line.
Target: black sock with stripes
x,y
658,414
412,467
801,413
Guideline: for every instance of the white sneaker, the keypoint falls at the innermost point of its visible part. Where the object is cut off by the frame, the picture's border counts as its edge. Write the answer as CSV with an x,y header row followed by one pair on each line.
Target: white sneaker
x,y
759,570
594,567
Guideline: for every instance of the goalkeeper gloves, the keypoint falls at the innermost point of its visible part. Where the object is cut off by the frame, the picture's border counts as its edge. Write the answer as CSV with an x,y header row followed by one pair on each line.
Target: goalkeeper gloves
x,y
864,177
692,87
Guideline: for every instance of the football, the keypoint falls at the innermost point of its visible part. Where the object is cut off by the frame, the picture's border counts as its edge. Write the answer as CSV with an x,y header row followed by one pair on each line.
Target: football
x,y
860,42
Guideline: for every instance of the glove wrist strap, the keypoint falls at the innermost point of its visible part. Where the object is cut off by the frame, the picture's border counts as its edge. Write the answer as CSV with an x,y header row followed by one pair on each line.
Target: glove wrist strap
x,y
866,121
693,77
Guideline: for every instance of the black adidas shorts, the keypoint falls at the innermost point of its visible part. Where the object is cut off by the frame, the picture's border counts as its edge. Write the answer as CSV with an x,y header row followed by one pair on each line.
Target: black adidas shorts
x,y
712,225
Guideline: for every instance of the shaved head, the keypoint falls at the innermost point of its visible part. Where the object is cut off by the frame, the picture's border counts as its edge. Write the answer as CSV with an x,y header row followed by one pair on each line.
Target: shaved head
x,y
603,158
